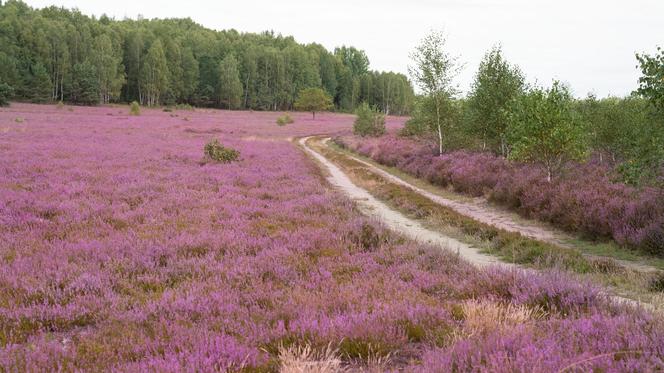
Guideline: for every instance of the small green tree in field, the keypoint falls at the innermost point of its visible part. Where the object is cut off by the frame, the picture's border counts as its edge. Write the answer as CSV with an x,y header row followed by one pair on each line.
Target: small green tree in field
x,y
434,70
134,108
544,129
369,122
6,93
313,100
215,151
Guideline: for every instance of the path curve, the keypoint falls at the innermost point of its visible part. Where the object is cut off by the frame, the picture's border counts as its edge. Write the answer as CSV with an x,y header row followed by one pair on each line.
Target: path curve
x,y
412,229
395,220
484,213
473,210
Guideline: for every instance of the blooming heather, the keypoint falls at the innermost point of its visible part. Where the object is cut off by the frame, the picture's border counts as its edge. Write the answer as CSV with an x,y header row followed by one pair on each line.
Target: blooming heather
x,y
584,200
121,249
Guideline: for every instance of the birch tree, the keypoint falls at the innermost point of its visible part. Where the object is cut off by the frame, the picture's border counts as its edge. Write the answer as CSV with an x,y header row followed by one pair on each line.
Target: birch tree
x,y
154,74
434,70
230,86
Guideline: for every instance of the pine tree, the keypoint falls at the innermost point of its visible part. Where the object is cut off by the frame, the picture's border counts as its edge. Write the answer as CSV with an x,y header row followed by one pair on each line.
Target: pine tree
x,y
40,84
85,84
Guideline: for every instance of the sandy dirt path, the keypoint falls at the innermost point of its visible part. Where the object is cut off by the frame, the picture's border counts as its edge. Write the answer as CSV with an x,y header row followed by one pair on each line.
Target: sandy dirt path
x,y
412,229
395,220
478,210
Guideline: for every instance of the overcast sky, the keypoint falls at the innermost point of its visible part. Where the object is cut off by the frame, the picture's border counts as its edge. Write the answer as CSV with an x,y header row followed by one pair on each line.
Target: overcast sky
x,y
589,44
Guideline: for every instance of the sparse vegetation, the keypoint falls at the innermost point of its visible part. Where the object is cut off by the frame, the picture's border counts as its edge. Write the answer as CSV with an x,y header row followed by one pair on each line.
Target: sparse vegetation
x,y
301,359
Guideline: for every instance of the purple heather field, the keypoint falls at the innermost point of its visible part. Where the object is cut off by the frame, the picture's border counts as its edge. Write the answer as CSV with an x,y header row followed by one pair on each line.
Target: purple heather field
x,y
584,200
122,249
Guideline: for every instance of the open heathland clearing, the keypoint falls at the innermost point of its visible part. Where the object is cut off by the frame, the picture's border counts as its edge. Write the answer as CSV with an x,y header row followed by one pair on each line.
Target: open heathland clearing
x,y
125,248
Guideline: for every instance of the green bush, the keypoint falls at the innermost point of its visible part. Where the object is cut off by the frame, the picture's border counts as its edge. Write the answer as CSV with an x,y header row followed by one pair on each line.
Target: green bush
x,y
414,127
184,107
135,108
284,120
6,92
369,122
219,153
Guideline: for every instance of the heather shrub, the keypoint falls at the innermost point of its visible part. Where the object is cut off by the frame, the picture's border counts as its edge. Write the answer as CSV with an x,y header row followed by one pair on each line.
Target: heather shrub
x,y
134,108
369,122
6,93
609,344
284,120
199,269
215,151
583,200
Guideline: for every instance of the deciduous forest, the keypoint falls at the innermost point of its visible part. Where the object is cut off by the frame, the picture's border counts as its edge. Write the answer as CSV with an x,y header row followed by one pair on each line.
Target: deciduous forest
x,y
55,54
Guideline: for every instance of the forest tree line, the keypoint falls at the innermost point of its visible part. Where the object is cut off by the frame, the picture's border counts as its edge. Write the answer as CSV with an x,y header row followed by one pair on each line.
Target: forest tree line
x,y
56,54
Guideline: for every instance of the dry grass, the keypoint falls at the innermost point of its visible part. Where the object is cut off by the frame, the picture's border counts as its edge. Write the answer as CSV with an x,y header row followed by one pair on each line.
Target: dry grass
x,y
482,317
304,359
378,363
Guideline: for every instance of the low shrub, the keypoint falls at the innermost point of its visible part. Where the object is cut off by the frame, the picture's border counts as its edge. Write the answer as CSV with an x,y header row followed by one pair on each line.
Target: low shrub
x,y
186,107
284,120
135,108
369,122
60,104
215,151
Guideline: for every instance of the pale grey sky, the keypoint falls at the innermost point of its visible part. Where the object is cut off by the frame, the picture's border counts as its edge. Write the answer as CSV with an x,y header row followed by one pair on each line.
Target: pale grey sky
x,y
589,44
